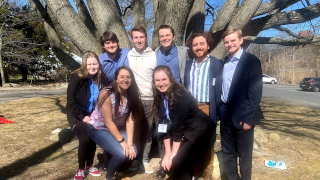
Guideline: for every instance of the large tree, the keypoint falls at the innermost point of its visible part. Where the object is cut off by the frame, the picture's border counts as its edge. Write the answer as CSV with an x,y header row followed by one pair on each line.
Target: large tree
x,y
185,16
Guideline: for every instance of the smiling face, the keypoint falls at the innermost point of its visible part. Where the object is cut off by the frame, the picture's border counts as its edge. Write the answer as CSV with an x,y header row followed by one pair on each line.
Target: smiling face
x,y
200,47
139,41
232,43
161,81
123,80
111,47
166,38
92,66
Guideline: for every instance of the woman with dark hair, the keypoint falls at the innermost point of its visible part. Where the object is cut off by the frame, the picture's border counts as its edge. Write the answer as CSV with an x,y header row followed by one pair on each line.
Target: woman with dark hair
x,y
184,130
82,94
111,124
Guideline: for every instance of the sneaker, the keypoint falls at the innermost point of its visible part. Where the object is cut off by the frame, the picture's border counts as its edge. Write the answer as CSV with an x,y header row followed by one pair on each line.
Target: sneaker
x,y
93,171
147,168
134,165
79,175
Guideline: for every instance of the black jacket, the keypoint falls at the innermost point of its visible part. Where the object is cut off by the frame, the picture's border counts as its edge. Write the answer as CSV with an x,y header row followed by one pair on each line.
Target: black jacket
x,y
186,119
78,94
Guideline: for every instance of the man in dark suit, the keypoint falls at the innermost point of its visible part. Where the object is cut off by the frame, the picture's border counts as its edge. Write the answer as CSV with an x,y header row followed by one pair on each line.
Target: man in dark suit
x,y
239,88
199,79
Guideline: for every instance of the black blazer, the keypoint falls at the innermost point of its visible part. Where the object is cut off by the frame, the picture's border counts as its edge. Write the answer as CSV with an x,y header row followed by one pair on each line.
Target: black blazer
x,y
214,71
187,119
245,91
78,94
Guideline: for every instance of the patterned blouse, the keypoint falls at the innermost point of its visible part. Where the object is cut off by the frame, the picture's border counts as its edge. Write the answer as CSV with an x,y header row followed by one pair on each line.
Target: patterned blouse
x,y
96,119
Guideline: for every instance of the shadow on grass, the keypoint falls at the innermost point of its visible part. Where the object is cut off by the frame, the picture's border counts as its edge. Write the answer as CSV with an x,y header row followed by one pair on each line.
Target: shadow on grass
x,y
62,107
294,121
18,167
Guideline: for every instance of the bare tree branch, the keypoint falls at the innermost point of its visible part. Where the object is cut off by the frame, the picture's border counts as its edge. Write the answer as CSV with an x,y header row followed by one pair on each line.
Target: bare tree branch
x,y
280,41
126,9
86,17
277,5
283,18
225,15
288,32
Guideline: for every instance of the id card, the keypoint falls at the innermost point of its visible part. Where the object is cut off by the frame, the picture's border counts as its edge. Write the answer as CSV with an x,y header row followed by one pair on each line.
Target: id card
x,y
162,128
213,81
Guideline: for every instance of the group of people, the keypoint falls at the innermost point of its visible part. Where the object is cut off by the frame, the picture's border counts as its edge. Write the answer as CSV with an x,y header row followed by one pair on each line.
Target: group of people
x,y
116,99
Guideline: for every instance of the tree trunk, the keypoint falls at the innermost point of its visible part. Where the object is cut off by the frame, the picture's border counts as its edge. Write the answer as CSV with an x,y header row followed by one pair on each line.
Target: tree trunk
x,y
195,22
3,81
75,29
106,17
176,15
159,8
24,72
239,20
224,14
139,13
86,18
53,37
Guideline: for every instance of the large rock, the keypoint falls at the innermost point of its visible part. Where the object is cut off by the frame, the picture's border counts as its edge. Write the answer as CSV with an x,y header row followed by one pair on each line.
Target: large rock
x,y
66,135
260,137
218,167
274,136
55,135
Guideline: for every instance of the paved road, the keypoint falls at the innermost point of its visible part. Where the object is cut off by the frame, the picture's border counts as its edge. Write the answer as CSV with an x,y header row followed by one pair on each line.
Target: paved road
x,y
292,94
6,96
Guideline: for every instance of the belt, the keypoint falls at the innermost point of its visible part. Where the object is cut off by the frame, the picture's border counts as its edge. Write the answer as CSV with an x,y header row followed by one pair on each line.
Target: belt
x,y
202,104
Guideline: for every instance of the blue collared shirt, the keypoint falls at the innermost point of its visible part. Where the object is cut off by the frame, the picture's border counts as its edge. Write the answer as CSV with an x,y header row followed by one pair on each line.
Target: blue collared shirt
x,y
109,66
227,76
94,92
169,58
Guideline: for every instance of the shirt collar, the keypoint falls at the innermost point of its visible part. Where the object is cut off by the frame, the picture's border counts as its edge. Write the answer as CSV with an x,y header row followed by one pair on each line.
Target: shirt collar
x,y
107,58
237,57
208,57
170,51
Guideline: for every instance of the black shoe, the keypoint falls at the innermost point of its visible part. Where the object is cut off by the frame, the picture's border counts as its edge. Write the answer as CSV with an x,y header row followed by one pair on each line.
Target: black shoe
x,y
161,174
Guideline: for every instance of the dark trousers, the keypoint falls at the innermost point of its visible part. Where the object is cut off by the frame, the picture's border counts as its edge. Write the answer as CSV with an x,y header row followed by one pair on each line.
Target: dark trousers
x,y
182,167
235,142
87,147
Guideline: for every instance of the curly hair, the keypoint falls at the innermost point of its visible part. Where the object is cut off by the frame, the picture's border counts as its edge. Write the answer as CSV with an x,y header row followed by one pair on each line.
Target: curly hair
x,y
206,35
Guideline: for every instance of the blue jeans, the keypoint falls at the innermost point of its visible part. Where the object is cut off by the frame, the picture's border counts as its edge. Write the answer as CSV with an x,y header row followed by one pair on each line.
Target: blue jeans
x,y
108,143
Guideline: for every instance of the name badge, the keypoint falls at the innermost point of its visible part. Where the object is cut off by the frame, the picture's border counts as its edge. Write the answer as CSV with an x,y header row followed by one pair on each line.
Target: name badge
x,y
213,81
162,128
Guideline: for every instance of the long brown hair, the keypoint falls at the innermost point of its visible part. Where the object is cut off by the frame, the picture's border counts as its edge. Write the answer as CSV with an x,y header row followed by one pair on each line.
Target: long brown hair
x,y
173,92
100,78
134,102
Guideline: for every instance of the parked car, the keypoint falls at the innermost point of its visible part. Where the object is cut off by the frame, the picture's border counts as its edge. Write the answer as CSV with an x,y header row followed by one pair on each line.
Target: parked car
x,y
310,83
268,79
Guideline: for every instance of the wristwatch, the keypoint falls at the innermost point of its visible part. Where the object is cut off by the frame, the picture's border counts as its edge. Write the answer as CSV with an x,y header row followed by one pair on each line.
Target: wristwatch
x,y
121,140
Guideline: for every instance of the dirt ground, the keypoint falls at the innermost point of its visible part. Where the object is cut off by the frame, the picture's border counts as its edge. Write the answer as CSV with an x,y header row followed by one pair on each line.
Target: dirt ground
x,y
27,153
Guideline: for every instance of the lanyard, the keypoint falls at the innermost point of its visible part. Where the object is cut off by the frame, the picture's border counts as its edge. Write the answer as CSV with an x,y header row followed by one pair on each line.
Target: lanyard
x,y
165,110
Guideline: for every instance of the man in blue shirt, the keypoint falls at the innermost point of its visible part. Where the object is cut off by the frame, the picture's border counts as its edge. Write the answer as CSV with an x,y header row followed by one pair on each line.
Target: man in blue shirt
x,y
238,92
169,54
113,56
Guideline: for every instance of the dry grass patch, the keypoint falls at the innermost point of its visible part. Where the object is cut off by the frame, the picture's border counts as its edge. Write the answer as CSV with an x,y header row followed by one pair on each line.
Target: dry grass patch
x,y
27,153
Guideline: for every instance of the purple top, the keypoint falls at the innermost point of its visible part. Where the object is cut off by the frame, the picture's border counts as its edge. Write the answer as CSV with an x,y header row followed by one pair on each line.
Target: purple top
x,y
96,119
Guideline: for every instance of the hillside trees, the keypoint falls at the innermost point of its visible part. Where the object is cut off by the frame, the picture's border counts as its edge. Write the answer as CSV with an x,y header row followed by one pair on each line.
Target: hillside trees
x,y
252,16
